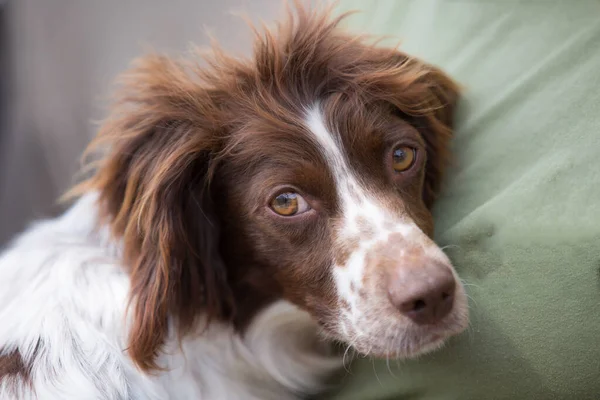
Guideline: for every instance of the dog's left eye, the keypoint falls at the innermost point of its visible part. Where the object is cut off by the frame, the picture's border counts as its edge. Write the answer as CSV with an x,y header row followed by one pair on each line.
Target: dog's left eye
x,y
288,204
403,158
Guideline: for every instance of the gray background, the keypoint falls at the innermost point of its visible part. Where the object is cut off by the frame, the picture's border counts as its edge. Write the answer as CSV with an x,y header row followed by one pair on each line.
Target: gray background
x,y
58,59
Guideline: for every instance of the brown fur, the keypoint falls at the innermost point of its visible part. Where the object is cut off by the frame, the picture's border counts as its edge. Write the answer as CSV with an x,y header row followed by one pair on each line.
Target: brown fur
x,y
14,370
189,153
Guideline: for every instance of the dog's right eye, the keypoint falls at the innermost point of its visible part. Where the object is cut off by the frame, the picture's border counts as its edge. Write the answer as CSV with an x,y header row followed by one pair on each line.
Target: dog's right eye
x,y
288,204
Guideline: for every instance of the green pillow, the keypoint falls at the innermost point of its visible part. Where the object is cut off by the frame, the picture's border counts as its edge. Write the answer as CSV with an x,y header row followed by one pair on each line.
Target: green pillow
x,y
521,207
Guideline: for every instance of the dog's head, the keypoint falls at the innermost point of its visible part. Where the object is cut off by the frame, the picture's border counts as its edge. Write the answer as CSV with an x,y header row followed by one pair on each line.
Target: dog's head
x,y
306,173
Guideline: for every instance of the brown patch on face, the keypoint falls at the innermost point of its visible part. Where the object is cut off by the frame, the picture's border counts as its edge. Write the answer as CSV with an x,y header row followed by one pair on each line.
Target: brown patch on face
x,y
190,157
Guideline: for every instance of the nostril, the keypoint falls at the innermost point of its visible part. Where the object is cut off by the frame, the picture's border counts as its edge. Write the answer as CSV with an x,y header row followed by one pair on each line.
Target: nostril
x,y
419,305
445,296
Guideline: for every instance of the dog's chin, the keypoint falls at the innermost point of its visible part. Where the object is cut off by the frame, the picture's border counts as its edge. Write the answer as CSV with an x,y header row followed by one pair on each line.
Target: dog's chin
x,y
414,352
406,341
405,348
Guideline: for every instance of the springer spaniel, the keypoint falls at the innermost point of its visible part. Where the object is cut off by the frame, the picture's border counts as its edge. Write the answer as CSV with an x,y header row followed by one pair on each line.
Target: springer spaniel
x,y
242,216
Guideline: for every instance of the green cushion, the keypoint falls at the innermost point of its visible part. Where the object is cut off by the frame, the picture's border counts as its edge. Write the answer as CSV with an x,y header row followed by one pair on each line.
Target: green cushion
x,y
521,208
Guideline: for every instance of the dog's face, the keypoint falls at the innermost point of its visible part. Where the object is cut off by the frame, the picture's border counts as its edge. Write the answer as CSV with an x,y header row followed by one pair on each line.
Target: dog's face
x,y
328,212
305,174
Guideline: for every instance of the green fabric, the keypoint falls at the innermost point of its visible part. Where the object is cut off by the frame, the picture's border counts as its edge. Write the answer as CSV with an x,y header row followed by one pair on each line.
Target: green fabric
x,y
522,203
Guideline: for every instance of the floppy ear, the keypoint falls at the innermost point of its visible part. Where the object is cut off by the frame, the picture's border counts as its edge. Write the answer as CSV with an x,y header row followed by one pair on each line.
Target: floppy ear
x,y
153,188
438,129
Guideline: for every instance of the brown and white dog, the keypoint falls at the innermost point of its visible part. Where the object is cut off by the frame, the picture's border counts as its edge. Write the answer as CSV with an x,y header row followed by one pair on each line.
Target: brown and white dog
x,y
242,213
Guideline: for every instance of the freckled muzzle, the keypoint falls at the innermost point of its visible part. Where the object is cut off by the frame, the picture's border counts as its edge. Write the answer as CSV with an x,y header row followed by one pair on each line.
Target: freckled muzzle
x,y
410,301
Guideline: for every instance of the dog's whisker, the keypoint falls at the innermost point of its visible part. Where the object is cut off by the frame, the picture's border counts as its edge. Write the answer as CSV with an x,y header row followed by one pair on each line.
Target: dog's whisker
x,y
471,284
450,246
375,372
346,367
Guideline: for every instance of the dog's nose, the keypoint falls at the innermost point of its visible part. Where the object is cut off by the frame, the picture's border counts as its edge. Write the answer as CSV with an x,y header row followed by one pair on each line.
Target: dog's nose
x,y
425,294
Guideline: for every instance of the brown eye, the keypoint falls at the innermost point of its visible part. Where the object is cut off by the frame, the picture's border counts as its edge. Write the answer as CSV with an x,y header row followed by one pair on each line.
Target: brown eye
x,y
403,158
288,204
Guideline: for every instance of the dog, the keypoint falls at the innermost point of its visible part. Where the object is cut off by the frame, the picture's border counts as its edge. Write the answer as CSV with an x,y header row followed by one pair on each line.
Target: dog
x,y
245,222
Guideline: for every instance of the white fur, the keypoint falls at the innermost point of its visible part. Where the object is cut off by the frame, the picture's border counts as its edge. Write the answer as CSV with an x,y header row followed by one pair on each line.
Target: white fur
x,y
64,292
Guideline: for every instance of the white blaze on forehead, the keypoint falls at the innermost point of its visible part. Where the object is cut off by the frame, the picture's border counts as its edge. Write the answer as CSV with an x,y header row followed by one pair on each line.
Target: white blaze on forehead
x,y
353,198
356,204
